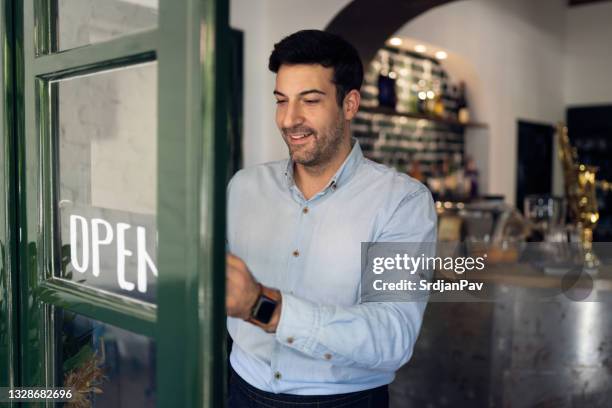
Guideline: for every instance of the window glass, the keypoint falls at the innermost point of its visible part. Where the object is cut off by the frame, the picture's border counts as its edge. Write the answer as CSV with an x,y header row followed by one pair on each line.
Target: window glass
x,y
106,159
83,22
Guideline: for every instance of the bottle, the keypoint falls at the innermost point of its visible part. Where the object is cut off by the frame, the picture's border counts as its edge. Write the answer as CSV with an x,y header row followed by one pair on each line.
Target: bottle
x,y
413,102
451,103
422,97
439,110
449,169
386,88
463,113
431,104
471,173
415,172
444,98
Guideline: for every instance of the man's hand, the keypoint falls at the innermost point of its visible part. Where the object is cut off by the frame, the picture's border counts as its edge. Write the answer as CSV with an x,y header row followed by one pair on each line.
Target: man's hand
x,y
242,290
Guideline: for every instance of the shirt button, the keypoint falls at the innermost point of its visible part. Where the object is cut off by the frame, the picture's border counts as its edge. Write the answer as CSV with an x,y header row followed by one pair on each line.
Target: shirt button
x,y
277,375
290,340
334,187
296,253
305,210
327,356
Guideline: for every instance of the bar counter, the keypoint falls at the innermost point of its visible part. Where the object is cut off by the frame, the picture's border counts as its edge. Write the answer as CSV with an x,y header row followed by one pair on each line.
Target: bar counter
x,y
531,341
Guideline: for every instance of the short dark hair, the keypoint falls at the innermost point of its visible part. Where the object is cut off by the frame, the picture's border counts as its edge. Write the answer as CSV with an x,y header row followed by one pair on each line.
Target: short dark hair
x,y
327,49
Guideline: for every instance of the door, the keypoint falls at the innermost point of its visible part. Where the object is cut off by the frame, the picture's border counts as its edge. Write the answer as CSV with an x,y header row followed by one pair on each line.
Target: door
x,y
590,132
8,241
535,160
119,199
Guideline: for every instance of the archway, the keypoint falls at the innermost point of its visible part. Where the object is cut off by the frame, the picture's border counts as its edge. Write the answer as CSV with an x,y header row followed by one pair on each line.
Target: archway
x,y
381,23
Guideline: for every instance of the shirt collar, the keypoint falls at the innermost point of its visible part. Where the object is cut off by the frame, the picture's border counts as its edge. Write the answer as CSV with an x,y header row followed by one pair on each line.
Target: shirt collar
x,y
344,173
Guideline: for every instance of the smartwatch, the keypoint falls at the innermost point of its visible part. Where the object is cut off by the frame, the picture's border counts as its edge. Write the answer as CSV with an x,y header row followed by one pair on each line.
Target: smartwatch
x,y
264,308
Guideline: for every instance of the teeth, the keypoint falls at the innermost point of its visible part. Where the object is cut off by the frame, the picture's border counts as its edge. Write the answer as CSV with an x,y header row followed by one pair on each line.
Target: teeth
x,y
300,136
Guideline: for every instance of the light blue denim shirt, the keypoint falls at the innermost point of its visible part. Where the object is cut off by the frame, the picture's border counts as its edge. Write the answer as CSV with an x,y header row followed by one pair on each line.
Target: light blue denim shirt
x,y
327,342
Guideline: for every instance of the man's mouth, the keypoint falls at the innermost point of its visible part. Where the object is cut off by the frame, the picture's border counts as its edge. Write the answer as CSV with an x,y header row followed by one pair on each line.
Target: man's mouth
x,y
298,136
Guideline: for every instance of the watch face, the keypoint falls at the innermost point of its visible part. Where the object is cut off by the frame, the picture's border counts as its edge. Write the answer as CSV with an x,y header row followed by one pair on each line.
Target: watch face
x,y
265,309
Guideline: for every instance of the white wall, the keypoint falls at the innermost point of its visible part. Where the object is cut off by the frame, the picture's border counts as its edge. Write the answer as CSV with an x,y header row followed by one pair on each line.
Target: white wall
x,y
588,63
516,49
265,22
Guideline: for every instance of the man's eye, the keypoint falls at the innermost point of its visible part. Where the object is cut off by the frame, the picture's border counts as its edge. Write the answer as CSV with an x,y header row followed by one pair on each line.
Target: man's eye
x,y
312,101
278,102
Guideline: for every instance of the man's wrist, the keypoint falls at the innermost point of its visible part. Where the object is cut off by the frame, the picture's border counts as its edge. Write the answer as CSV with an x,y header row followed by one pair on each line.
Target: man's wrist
x,y
275,295
256,299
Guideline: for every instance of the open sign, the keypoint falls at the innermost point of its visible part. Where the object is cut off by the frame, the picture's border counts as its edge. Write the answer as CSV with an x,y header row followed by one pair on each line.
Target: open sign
x,y
96,240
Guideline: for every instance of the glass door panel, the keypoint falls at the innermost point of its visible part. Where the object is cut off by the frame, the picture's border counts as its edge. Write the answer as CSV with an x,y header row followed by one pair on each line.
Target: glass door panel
x,y
104,364
106,161
84,22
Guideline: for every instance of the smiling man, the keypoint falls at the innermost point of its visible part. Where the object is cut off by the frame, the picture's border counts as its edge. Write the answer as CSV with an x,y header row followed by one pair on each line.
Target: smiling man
x,y
302,337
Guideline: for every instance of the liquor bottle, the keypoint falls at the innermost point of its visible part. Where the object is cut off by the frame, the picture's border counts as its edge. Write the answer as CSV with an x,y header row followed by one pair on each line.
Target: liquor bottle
x,y
422,102
451,102
422,97
386,88
463,113
471,173
431,103
444,99
413,102
439,110
415,172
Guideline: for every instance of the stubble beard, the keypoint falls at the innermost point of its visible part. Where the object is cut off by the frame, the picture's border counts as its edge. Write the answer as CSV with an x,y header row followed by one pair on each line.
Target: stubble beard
x,y
326,145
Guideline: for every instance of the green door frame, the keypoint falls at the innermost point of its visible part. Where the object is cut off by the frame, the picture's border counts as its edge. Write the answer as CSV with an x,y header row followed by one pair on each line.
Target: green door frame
x,y
8,231
188,322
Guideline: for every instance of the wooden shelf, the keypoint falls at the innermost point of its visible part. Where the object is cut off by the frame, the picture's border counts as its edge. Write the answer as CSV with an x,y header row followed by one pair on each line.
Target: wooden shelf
x,y
389,111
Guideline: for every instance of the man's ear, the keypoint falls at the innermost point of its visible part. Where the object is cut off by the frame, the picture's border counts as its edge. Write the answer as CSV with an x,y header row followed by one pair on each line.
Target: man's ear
x,y
350,106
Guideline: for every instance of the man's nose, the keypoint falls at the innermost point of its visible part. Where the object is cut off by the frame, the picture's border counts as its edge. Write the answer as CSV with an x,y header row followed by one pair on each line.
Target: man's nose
x,y
292,115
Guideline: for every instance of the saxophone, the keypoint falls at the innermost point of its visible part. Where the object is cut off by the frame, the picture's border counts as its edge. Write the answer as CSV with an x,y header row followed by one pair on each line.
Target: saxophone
x,y
580,183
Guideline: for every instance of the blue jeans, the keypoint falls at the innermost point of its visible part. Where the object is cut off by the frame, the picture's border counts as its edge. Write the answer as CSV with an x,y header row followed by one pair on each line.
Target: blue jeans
x,y
244,395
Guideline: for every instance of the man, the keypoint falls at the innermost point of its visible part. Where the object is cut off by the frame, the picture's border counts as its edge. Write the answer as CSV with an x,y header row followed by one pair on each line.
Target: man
x,y
301,336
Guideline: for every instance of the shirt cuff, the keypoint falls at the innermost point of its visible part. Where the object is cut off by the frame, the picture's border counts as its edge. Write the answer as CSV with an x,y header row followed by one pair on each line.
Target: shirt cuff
x,y
299,324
